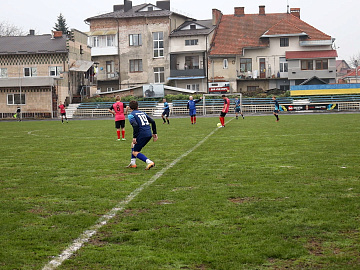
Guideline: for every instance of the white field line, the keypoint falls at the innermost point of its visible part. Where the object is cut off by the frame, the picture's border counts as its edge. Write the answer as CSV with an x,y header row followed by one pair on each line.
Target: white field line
x,y
86,235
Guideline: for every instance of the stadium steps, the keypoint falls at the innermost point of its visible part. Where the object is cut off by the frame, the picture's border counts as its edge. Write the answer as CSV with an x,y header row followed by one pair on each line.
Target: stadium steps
x,y
160,108
71,109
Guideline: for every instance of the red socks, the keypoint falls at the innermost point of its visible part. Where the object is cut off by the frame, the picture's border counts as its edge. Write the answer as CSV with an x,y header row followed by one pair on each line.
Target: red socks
x,y
222,121
118,133
123,133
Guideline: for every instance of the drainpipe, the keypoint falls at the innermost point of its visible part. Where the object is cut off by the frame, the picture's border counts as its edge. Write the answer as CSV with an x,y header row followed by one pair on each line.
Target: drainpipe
x,y
118,43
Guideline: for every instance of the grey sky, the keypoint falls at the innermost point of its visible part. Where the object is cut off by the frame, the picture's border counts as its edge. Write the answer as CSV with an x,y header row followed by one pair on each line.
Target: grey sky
x,y
338,19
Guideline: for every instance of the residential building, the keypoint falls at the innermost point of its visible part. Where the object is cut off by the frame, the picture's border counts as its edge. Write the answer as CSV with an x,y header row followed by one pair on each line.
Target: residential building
x,y
189,45
131,44
38,72
269,51
342,68
352,77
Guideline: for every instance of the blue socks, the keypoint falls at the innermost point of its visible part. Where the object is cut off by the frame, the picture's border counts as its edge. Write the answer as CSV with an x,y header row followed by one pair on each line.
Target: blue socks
x,y
142,157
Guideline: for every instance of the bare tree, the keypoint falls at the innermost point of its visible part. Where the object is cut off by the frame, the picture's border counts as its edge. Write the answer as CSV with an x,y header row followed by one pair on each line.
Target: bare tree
x,y
8,29
353,59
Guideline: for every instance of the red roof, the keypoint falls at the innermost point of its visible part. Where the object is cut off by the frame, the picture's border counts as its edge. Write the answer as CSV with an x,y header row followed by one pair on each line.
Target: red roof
x,y
353,73
238,32
311,54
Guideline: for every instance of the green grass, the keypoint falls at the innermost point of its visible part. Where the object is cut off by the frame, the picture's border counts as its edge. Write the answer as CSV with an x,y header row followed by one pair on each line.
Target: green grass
x,y
255,195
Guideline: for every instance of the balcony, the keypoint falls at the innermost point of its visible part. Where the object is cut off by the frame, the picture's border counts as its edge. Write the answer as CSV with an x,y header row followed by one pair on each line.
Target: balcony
x,y
187,73
108,76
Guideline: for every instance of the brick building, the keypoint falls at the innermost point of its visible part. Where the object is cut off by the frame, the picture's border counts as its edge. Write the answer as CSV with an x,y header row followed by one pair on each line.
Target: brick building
x,y
38,72
130,45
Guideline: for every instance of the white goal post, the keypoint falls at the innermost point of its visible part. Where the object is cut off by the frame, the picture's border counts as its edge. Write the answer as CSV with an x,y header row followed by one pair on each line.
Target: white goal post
x,y
219,95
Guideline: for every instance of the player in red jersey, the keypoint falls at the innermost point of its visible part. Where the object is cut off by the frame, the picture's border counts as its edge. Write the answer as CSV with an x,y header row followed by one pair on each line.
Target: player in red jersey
x,y
119,109
63,113
224,110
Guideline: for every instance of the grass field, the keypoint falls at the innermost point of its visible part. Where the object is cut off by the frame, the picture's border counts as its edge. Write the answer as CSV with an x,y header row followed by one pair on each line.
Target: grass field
x,y
254,195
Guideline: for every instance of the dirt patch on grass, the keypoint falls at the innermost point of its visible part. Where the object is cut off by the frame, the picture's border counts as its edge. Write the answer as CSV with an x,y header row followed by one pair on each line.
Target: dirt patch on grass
x,y
163,202
244,200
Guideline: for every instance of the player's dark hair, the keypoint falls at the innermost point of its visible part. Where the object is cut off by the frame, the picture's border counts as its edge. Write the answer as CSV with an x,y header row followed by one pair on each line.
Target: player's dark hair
x,y
133,105
223,96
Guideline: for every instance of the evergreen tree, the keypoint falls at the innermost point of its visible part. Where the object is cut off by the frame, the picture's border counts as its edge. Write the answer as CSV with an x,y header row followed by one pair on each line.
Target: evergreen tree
x,y
61,25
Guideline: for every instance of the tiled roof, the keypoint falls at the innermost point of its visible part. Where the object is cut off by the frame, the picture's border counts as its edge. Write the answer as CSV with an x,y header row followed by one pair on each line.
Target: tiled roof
x,y
209,27
134,12
32,44
311,54
238,32
353,73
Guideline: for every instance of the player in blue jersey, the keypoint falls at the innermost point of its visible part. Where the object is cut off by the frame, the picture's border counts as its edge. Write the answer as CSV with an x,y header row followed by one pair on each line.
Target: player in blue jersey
x,y
238,109
276,109
166,112
141,122
191,105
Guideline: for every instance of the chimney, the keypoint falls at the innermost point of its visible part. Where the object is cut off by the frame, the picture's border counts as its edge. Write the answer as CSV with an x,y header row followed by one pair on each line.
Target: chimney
x,y
295,12
127,5
32,32
57,34
163,4
216,16
261,10
239,11
118,7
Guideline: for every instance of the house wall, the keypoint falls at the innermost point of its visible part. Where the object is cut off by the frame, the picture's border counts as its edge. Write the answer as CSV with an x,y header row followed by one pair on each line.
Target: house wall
x,y
38,99
272,55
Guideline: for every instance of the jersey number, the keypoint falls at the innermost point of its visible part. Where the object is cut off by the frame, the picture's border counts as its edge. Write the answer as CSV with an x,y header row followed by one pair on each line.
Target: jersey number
x,y
144,120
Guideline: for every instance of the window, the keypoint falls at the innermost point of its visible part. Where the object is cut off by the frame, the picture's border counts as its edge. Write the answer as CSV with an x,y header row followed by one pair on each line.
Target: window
x,y
158,38
195,87
135,40
192,26
321,64
110,66
225,64
15,99
30,72
191,62
252,88
245,64
284,42
159,73
284,87
150,8
55,71
3,73
110,40
96,42
110,89
136,65
191,42
283,65
307,65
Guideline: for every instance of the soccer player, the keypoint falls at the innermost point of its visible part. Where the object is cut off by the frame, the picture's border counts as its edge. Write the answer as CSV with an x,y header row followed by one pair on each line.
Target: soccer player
x,y
276,109
119,109
224,111
63,113
238,108
166,112
140,122
18,114
191,105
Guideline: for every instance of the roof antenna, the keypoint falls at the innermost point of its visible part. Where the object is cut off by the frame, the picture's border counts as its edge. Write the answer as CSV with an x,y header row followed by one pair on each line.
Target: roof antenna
x,y
288,11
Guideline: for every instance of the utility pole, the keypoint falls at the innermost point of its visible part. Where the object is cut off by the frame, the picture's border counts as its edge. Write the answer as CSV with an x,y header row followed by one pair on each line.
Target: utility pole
x,y
356,70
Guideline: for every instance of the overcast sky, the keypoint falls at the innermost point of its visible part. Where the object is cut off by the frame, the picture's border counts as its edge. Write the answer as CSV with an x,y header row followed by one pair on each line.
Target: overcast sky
x,y
338,19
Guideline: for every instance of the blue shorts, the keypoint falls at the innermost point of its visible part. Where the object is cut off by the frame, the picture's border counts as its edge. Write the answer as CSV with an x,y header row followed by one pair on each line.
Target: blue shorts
x,y
166,113
237,109
141,142
192,112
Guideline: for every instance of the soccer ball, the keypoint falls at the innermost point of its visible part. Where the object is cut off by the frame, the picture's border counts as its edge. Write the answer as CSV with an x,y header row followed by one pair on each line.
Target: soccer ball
x,y
219,125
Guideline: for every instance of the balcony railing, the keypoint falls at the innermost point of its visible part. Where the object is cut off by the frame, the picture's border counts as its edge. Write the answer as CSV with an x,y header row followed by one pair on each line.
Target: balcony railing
x,y
187,72
108,76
